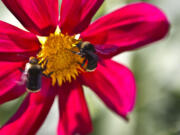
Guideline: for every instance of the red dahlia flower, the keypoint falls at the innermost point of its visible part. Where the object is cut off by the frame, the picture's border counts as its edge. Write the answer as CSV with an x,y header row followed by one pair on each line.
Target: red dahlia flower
x,y
125,29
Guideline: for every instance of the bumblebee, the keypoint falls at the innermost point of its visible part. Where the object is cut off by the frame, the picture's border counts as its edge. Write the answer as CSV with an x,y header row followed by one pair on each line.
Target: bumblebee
x,y
88,51
32,75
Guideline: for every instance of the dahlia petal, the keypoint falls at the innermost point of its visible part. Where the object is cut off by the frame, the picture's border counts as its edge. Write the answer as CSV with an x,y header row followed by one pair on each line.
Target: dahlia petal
x,y
127,28
16,44
37,16
77,15
74,115
114,84
32,112
9,78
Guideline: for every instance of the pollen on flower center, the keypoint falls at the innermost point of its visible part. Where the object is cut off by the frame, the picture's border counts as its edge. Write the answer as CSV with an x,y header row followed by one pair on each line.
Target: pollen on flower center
x,y
62,64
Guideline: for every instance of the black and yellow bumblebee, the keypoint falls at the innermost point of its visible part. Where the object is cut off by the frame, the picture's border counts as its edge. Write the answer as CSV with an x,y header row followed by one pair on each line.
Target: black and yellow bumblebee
x,y
32,75
87,51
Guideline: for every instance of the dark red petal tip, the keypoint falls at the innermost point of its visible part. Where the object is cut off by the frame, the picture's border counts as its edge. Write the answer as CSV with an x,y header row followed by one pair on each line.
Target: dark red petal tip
x,y
114,84
76,15
37,16
74,114
127,28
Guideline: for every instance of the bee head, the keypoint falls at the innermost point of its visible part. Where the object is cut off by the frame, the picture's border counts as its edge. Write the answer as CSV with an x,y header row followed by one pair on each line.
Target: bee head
x,y
82,45
33,60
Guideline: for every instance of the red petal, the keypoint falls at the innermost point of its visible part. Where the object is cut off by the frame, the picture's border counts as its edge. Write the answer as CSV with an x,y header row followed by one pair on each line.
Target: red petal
x,y
38,16
9,76
74,115
76,15
114,84
128,28
32,112
16,44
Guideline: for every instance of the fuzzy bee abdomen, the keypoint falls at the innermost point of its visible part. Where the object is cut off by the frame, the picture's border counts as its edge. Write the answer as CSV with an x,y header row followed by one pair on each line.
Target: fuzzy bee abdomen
x,y
33,83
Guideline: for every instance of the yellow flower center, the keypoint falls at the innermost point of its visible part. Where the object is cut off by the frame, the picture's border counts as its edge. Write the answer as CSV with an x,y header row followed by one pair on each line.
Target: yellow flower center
x,y
62,63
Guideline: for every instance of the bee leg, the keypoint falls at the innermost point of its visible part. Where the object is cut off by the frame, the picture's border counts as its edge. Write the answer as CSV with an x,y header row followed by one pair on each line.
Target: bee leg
x,y
43,62
45,66
21,70
84,61
49,75
45,75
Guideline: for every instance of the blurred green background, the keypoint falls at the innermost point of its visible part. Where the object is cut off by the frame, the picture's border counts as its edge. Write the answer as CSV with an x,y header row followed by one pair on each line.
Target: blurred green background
x,y
157,72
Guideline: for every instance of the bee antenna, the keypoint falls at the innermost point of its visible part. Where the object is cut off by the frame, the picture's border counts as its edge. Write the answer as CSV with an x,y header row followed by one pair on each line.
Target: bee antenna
x,y
79,44
78,53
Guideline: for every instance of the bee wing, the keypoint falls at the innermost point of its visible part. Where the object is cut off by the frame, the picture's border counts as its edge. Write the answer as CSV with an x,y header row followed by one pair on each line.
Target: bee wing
x,y
105,50
23,79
